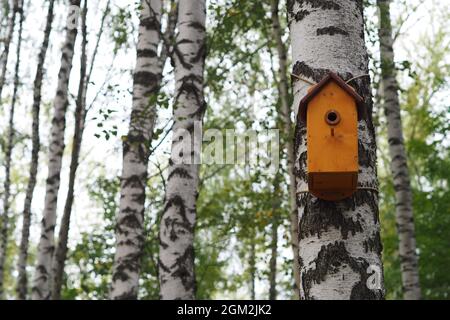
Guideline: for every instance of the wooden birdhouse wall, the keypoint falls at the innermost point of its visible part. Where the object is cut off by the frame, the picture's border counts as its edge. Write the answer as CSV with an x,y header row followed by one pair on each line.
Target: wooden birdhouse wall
x,y
332,157
327,153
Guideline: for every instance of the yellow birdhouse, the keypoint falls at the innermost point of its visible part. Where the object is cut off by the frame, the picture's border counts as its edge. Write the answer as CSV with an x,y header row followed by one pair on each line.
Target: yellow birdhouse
x,y
331,110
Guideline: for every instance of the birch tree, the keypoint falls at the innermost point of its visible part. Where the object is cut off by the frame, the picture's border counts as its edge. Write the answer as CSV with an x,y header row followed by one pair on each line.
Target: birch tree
x,y
41,284
4,222
285,116
399,168
274,249
36,144
339,242
5,53
136,149
80,117
252,264
176,250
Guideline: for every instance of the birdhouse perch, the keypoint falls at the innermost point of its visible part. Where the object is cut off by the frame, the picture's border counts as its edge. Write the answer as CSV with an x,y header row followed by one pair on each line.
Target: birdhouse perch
x,y
331,110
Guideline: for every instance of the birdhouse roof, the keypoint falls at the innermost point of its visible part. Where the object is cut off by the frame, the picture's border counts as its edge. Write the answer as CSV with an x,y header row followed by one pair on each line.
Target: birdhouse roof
x,y
318,87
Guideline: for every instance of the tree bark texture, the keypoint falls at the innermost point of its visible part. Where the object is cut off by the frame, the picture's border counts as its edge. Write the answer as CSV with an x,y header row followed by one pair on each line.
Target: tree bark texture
x,y
22,280
399,168
80,117
4,218
176,250
136,149
339,241
5,53
42,278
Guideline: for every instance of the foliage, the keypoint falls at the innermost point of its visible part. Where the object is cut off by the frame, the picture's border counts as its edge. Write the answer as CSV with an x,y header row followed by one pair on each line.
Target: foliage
x,y
239,204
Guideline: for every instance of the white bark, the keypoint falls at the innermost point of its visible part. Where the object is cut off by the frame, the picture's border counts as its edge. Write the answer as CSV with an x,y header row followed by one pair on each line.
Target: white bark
x,y
23,253
4,221
339,242
5,53
42,277
274,248
176,251
59,258
136,148
399,168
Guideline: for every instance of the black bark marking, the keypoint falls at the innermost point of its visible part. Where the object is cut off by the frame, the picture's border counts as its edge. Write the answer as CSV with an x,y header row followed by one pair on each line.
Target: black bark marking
x,y
191,85
181,172
360,291
374,244
331,31
150,23
201,54
317,74
177,201
184,270
134,181
394,141
137,144
330,260
131,220
363,156
320,215
301,14
198,26
322,4
145,78
200,111
146,53
163,267
180,57
315,4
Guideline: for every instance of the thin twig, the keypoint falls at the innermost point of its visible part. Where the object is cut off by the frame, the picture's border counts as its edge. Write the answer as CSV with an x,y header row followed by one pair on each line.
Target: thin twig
x,y
357,77
303,79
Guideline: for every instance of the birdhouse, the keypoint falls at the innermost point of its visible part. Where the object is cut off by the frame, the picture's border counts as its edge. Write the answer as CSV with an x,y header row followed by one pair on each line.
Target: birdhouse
x,y
331,110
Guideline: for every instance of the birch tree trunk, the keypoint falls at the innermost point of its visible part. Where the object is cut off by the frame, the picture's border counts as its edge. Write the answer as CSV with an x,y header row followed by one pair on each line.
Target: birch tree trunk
x,y
136,148
339,242
41,284
399,168
252,266
273,255
8,153
176,250
5,53
80,116
285,115
23,249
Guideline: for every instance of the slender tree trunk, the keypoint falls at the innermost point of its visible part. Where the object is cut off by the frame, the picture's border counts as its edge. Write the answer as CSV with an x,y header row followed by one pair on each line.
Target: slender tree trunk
x,y
399,168
136,148
41,285
80,116
285,115
4,9
5,53
176,250
276,204
8,154
252,264
23,249
339,241
273,255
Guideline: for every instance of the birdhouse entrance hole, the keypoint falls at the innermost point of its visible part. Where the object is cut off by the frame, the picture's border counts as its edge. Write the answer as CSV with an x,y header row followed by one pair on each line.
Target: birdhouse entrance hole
x,y
332,117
